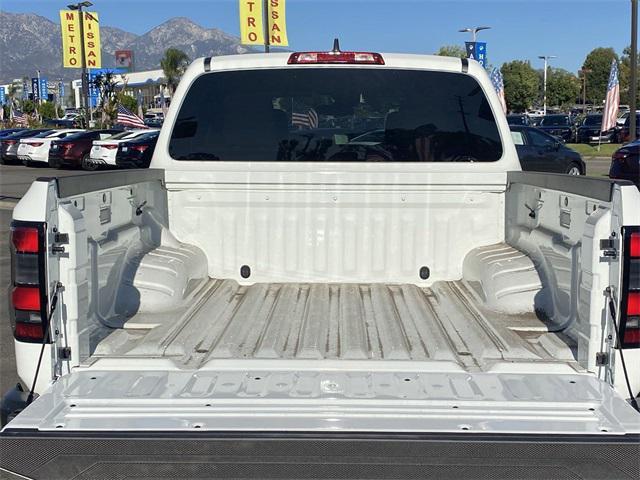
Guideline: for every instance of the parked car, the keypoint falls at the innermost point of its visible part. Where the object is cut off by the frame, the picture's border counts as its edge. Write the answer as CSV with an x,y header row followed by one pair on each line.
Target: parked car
x,y
424,309
559,126
103,152
9,144
73,151
137,152
518,119
63,123
624,163
589,131
9,131
34,151
624,132
622,118
540,152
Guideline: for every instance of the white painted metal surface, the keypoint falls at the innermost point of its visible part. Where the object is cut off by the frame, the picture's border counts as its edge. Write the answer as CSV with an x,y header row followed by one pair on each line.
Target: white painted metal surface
x,y
361,401
376,322
508,162
333,329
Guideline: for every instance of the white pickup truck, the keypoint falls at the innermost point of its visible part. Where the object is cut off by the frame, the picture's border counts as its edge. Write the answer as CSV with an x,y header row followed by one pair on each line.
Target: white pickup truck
x,y
274,299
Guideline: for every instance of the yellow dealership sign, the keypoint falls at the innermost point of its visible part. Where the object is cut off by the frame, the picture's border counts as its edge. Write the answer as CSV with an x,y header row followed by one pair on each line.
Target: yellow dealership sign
x,y
252,27
251,22
71,46
92,40
277,24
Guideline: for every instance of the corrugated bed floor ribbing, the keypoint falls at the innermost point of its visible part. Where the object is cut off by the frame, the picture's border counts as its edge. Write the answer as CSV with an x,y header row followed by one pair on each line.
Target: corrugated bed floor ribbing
x,y
341,321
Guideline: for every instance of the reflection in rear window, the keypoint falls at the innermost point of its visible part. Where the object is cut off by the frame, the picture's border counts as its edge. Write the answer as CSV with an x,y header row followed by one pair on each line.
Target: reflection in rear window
x,y
336,115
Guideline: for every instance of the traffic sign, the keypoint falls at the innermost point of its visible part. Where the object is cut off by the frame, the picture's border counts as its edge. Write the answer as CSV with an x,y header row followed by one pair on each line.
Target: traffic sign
x,y
2,96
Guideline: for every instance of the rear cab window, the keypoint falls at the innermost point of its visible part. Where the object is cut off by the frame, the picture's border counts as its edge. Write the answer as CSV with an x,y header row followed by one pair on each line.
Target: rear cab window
x,y
335,115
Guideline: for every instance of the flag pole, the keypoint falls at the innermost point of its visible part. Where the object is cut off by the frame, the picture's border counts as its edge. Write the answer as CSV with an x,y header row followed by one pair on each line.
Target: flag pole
x,y
265,26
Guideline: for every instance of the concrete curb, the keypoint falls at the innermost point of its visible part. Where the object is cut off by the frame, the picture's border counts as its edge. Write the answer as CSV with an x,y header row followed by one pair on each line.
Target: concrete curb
x,y
8,204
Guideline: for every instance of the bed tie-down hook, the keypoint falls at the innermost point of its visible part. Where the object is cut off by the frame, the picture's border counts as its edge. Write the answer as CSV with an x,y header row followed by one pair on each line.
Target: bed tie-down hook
x,y
139,208
532,211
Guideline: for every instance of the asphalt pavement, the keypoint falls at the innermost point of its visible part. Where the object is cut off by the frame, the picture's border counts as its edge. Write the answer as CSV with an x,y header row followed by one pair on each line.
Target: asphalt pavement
x,y
8,377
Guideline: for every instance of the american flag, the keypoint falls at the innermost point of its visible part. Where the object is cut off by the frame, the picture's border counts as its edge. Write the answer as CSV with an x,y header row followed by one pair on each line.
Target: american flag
x,y
612,101
305,120
19,117
128,118
498,84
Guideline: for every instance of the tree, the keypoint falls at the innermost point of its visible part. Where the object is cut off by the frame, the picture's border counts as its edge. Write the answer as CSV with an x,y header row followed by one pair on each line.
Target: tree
x,y
129,102
106,84
625,77
521,85
174,64
598,61
48,110
563,87
28,106
452,51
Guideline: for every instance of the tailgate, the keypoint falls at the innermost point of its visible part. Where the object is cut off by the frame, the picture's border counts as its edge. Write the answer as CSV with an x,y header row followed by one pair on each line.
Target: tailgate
x,y
330,423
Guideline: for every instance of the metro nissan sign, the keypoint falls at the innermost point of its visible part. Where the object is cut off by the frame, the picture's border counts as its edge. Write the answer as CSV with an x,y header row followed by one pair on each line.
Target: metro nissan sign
x,y
71,46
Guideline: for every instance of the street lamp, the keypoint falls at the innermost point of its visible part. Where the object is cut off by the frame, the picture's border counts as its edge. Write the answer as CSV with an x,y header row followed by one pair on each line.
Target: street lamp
x,y
473,31
83,62
584,73
546,59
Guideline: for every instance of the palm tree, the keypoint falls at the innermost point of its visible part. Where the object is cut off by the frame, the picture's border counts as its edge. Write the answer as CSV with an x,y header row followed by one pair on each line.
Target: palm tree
x,y
174,63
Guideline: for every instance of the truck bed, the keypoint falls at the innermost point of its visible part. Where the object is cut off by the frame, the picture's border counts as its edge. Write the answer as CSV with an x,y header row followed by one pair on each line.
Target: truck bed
x,y
445,323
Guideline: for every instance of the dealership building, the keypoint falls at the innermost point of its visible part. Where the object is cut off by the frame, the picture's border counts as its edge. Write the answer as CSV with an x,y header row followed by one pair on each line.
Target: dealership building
x,y
144,86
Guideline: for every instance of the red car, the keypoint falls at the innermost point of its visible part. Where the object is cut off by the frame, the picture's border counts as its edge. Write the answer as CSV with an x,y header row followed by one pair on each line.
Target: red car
x,y
73,150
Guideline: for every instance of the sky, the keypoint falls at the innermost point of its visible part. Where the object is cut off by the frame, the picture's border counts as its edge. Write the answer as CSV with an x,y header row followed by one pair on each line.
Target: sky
x,y
521,29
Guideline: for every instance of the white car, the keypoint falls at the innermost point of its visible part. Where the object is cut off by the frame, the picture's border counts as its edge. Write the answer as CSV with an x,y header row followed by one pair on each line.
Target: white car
x,y
36,149
103,152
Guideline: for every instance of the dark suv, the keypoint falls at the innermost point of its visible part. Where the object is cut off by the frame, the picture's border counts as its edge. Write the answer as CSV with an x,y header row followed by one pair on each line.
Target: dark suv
x,y
589,131
559,126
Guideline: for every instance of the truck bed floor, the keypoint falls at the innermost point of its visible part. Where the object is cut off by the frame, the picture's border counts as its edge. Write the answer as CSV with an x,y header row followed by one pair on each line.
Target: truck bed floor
x,y
375,322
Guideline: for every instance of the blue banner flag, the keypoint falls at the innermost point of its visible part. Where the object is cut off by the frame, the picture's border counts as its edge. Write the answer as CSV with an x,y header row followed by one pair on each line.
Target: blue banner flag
x,y
35,89
25,90
3,98
61,90
44,88
94,92
477,51
481,53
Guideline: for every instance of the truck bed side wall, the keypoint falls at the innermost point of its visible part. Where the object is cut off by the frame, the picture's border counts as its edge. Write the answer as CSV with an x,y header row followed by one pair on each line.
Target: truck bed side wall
x,y
559,221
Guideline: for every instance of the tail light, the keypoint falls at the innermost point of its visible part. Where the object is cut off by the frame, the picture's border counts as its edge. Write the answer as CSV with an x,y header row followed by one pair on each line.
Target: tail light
x,y
110,146
9,142
619,155
139,148
35,144
68,146
336,57
630,298
29,295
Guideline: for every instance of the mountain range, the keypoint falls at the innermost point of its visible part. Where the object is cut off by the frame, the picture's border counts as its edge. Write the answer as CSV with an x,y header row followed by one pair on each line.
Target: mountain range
x,y
29,42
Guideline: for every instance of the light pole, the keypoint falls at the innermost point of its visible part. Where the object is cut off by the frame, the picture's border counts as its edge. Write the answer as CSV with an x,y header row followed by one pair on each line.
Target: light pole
x,y
584,73
633,87
546,59
473,31
83,60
